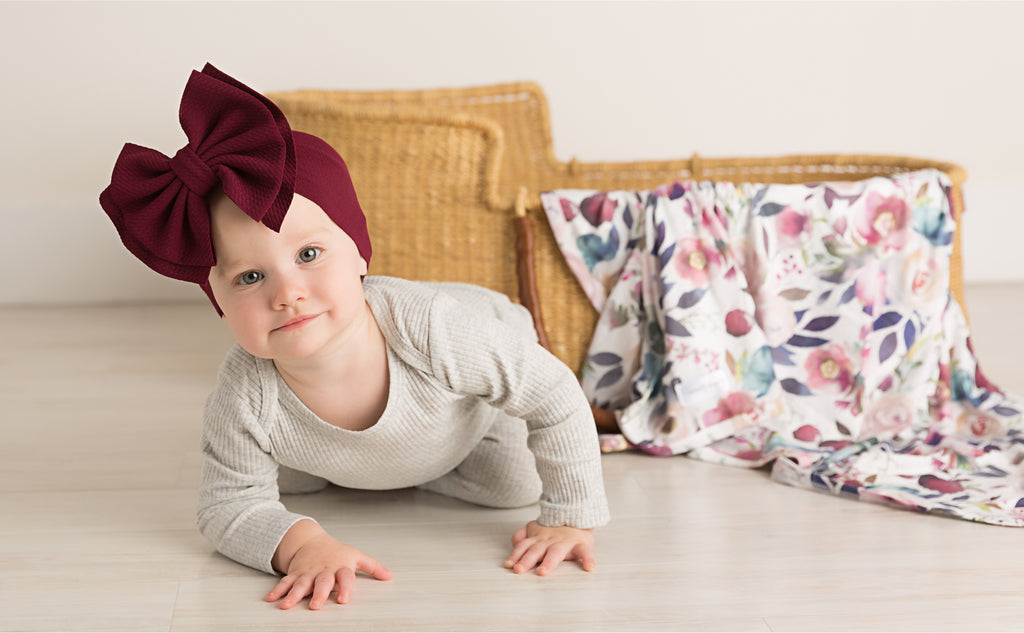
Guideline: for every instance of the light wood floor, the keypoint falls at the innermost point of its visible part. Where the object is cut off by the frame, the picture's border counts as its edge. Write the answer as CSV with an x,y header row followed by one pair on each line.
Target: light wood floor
x,y
100,413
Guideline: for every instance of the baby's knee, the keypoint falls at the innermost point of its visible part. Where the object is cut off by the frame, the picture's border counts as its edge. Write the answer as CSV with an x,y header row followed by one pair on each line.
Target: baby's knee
x,y
296,482
517,492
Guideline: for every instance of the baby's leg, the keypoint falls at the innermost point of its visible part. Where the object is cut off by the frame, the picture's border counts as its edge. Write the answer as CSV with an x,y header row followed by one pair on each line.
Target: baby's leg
x,y
499,473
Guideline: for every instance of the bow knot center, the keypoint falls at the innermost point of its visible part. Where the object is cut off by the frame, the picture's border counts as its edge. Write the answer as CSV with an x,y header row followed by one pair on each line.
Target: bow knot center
x,y
194,172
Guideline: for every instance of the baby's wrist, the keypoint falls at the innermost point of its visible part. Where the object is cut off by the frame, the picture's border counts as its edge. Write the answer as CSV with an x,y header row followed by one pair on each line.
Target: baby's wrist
x,y
298,535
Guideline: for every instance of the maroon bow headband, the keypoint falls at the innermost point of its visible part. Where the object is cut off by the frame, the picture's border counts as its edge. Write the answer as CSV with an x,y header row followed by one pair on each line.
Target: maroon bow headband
x,y
237,139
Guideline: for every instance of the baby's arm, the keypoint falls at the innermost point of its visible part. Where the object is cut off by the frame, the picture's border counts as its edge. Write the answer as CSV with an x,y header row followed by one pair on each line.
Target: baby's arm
x,y
316,563
240,511
501,362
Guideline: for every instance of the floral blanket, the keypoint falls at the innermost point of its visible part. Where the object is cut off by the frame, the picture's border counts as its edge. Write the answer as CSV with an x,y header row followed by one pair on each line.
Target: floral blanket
x,y
807,325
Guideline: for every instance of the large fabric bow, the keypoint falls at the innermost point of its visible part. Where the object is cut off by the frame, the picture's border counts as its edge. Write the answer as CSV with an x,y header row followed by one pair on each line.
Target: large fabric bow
x,y
237,139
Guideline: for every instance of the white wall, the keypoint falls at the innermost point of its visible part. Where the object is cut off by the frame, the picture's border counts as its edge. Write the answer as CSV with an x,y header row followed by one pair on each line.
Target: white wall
x,y
625,80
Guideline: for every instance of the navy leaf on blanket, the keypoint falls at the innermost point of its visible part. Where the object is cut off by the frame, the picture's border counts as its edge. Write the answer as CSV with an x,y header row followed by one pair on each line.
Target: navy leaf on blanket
x,y
606,358
821,324
795,387
659,237
771,208
665,257
613,376
991,471
675,328
850,293
1004,410
798,340
627,217
782,356
692,298
758,197
888,319
909,334
677,191
887,348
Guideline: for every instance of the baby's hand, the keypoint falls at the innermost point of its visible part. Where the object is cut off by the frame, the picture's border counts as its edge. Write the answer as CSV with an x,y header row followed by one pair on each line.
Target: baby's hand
x,y
549,546
321,565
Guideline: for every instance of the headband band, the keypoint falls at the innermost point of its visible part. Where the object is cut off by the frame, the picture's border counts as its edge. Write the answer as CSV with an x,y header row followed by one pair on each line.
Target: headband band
x,y
322,176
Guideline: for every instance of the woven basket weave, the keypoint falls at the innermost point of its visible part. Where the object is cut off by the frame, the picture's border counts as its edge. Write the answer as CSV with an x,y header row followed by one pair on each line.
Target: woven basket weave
x,y
425,183
436,211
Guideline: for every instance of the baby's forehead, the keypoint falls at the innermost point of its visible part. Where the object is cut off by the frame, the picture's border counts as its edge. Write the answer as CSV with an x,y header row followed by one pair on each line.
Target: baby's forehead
x,y
231,227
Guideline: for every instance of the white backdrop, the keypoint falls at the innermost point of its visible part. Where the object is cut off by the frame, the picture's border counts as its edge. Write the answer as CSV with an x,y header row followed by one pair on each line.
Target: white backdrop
x,y
625,81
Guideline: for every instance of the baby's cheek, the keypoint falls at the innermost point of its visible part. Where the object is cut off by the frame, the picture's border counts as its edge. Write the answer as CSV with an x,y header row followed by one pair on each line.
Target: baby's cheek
x,y
249,335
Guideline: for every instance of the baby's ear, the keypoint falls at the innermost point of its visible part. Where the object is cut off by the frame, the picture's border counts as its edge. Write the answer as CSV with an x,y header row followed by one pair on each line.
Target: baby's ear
x,y
364,268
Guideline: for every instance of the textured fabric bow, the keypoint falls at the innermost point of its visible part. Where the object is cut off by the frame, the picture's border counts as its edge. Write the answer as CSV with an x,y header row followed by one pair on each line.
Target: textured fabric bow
x,y
237,139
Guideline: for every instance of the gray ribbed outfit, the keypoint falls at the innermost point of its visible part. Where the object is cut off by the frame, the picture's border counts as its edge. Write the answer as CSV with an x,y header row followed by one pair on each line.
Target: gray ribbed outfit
x,y
465,373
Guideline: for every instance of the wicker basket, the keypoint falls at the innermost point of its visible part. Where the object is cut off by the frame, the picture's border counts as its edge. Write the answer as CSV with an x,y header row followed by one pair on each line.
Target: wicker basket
x,y
517,153
426,184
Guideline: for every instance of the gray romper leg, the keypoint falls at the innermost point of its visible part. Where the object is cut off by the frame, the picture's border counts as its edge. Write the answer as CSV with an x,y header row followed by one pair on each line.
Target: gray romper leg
x,y
499,473
296,482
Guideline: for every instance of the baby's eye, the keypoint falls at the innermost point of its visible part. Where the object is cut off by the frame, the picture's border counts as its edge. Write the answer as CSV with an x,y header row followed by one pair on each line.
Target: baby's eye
x,y
249,278
308,254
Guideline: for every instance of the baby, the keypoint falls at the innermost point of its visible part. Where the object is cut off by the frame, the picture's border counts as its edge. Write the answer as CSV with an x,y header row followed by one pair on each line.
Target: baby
x,y
365,382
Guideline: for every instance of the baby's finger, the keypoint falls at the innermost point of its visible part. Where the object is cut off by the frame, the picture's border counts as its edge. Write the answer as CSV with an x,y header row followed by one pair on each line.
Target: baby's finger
x,y
370,566
585,554
280,589
322,586
346,578
555,555
299,590
530,558
517,552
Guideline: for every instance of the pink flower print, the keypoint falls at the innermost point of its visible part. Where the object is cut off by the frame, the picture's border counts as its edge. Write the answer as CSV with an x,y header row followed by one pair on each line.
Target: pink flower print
x,y
737,322
693,258
883,221
937,484
775,317
807,433
828,367
568,209
922,281
889,415
750,265
791,225
871,283
712,221
978,425
736,403
598,209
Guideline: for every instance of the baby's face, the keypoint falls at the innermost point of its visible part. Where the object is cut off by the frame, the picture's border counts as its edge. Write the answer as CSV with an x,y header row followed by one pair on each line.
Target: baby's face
x,y
287,295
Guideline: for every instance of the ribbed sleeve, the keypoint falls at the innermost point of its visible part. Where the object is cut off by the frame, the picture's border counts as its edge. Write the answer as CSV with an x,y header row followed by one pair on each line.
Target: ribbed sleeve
x,y
239,508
